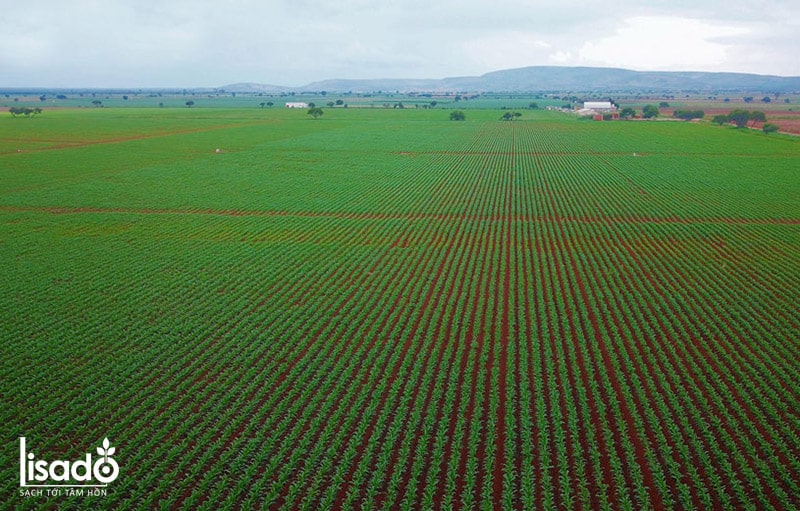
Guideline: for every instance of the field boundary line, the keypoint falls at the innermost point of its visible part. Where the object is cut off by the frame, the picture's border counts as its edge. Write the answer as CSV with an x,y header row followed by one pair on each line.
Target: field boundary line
x,y
609,220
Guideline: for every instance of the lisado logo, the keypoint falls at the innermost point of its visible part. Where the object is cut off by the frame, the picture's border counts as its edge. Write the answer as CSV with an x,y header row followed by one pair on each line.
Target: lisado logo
x,y
82,473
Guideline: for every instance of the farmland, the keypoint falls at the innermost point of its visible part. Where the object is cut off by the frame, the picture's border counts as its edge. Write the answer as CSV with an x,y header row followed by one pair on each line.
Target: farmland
x,y
384,309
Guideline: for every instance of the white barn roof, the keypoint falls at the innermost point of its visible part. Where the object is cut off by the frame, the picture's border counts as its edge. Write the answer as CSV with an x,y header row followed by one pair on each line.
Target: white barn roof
x,y
598,105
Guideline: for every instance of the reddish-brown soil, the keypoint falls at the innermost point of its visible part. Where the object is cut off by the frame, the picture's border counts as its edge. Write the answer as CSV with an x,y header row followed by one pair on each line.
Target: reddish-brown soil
x,y
430,302
727,356
556,284
787,120
700,381
391,376
787,125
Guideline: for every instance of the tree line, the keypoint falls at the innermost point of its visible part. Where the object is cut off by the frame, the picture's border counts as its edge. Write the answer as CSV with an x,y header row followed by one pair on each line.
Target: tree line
x,y
741,118
23,110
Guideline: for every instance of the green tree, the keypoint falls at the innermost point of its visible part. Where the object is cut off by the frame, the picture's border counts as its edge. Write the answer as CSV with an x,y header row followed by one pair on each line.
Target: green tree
x,y
688,115
457,115
315,112
720,119
27,112
627,113
533,106
770,128
650,112
190,103
739,117
756,116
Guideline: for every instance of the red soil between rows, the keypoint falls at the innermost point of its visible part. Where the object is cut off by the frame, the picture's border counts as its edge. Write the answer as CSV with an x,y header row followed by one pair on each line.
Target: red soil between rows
x,y
555,282
479,341
489,317
651,367
464,255
581,295
641,373
431,300
384,367
656,282
251,398
505,339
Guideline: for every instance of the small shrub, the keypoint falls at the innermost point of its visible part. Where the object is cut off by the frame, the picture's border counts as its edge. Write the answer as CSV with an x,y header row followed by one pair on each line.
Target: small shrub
x,y
457,115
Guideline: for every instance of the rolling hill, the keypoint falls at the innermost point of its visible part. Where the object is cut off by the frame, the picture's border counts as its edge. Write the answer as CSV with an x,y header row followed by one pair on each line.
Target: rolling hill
x,y
552,78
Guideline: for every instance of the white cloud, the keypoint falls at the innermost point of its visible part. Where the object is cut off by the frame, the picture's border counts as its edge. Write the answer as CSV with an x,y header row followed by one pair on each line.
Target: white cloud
x,y
505,50
560,57
664,43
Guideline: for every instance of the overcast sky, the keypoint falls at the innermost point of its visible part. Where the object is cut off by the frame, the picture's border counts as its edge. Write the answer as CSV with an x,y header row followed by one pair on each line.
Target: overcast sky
x,y
199,43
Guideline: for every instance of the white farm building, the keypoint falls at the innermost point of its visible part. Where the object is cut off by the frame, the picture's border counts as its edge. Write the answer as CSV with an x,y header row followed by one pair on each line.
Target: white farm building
x,y
296,105
599,106
598,110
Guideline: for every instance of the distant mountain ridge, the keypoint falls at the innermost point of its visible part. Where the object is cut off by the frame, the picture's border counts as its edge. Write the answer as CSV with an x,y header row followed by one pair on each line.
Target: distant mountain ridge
x,y
551,78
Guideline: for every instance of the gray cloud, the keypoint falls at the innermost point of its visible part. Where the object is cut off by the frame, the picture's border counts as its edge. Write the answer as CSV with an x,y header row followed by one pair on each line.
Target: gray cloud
x,y
180,43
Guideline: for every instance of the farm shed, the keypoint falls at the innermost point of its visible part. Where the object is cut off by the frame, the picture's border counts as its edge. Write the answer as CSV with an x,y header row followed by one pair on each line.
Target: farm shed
x,y
598,105
296,105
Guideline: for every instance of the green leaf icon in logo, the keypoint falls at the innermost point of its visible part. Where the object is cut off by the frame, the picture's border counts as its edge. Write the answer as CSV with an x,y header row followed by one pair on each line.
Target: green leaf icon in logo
x,y
106,450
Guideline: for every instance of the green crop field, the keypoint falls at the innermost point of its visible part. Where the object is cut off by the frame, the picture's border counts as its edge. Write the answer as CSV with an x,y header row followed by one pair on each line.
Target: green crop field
x,y
385,309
